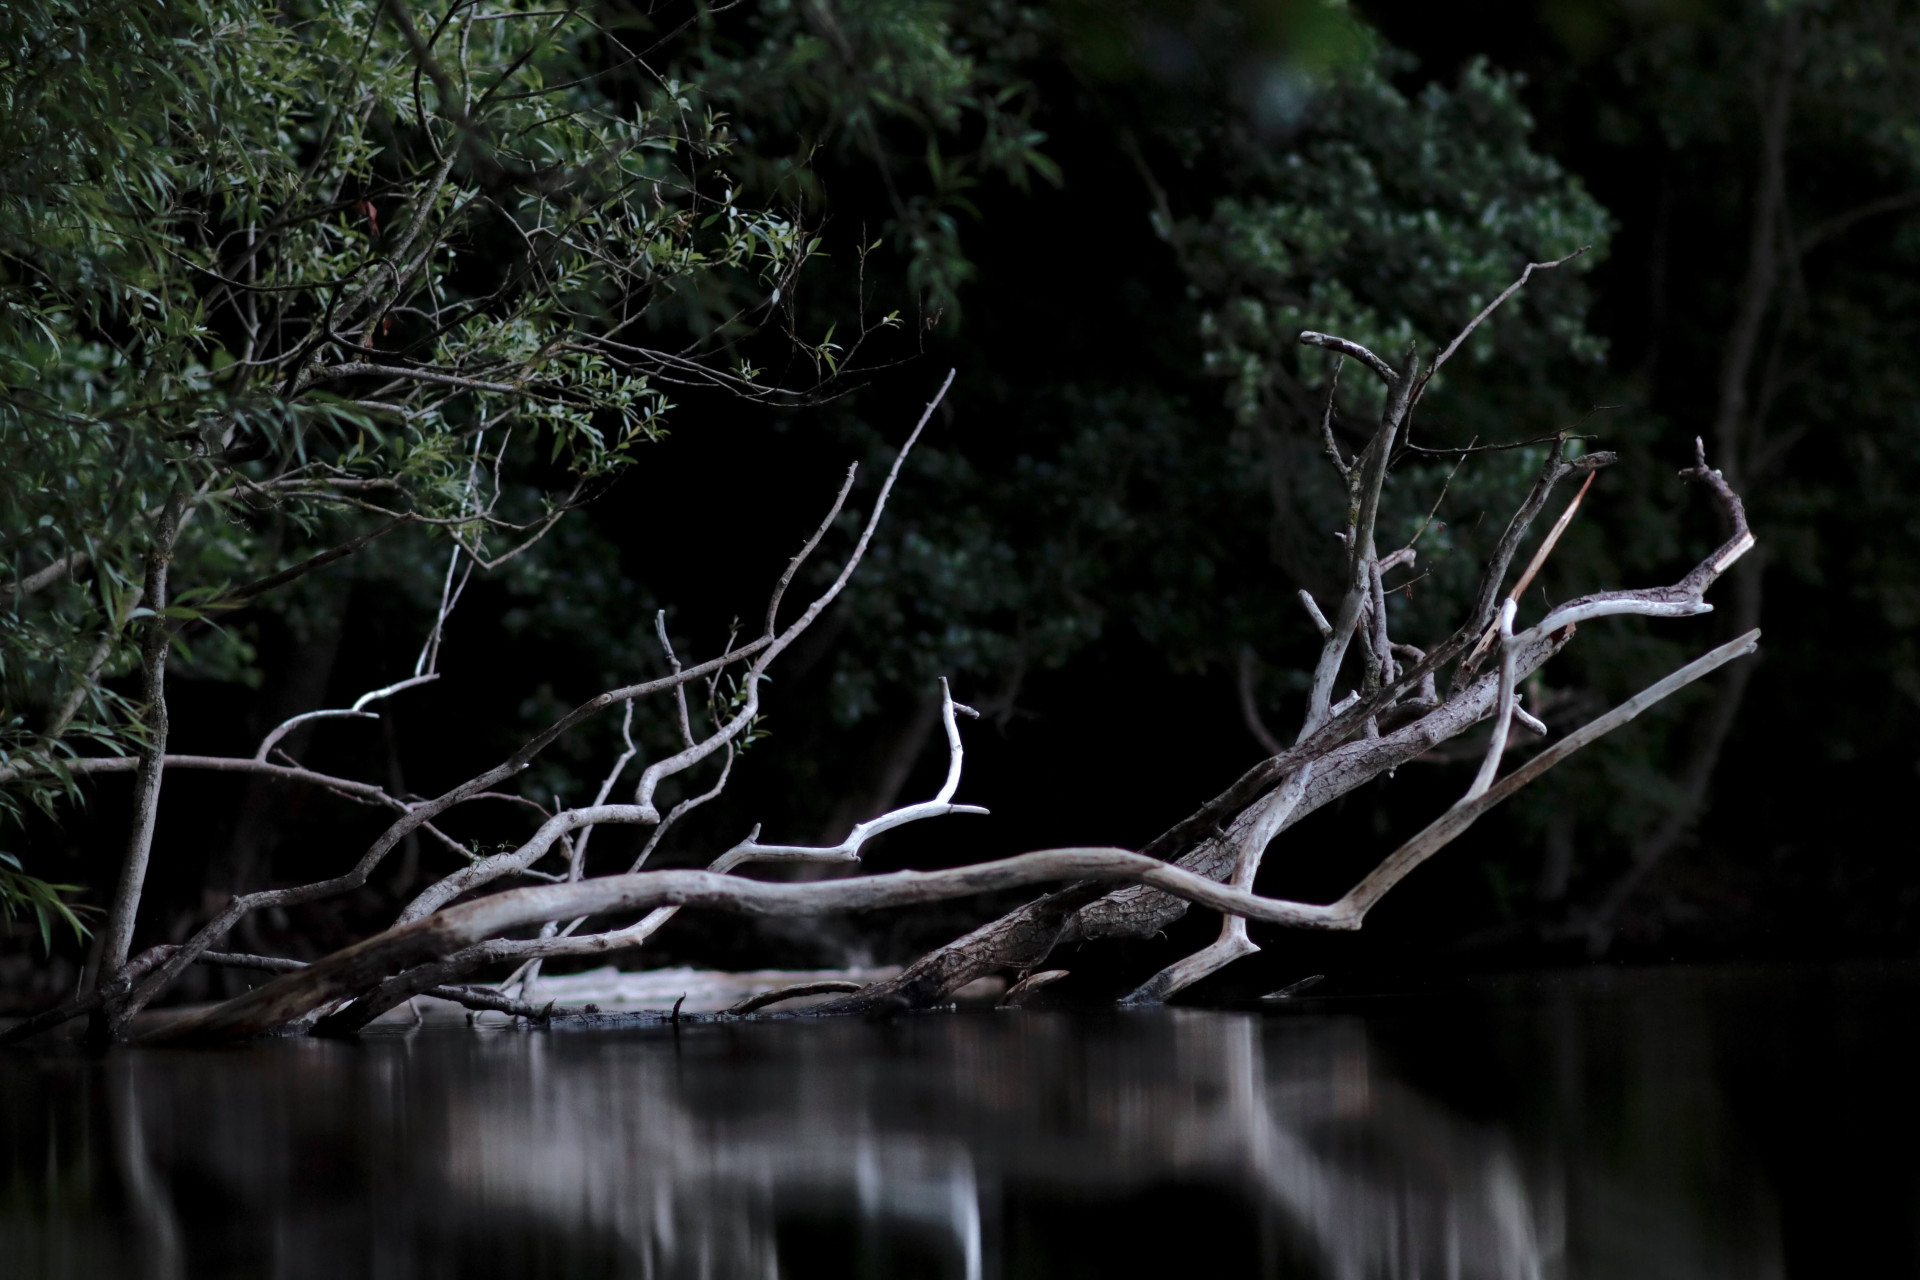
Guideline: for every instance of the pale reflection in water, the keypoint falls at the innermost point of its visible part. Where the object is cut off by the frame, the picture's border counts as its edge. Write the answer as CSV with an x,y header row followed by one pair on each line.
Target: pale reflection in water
x,y
694,1163
976,1145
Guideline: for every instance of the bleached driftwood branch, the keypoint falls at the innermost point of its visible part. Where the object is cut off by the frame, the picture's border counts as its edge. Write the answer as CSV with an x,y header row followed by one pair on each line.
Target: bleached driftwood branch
x,y
1395,715
403,986
755,655
1393,711
413,946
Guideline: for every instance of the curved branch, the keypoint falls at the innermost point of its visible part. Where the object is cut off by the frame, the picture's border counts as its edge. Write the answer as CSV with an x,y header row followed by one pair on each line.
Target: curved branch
x,y
1684,598
348,972
1443,830
1353,350
291,723
487,870
1503,708
534,950
848,850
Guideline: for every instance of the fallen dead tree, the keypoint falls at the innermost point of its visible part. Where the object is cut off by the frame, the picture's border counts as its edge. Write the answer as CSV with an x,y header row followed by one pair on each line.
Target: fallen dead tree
x,y
1396,713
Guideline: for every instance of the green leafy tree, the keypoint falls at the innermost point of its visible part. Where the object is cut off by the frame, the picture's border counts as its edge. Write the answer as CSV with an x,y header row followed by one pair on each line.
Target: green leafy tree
x,y
317,289
1165,476
279,285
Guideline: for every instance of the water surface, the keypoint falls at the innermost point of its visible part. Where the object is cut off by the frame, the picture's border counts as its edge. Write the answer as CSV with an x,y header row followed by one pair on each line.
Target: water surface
x,y
1639,1125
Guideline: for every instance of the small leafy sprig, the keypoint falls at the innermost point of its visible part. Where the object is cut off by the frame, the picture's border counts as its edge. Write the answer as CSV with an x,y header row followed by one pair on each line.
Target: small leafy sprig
x,y
21,893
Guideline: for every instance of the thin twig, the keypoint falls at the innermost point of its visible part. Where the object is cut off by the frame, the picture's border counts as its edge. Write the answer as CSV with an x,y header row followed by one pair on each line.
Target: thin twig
x,y
1447,353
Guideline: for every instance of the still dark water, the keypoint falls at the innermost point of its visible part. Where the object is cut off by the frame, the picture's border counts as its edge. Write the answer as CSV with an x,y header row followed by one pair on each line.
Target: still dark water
x,y
1639,1125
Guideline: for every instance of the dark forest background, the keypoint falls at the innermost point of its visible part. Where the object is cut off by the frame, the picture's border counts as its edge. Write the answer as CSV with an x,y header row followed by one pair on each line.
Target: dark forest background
x,y
1100,540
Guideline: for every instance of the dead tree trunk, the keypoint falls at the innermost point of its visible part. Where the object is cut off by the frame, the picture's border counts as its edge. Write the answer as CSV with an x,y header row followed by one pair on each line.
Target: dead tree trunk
x,y
1394,710
1339,747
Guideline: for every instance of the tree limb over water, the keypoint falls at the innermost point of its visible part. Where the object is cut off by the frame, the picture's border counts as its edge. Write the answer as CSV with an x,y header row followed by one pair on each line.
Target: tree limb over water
x,y
1394,712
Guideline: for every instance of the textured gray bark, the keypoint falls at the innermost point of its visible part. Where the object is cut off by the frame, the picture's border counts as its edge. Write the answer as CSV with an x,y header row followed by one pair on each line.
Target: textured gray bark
x,y
1022,939
117,934
419,947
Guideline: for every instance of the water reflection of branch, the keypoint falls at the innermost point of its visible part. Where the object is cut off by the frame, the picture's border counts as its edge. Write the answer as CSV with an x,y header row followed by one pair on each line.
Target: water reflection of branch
x,y
155,1222
1419,1193
1363,1175
938,1147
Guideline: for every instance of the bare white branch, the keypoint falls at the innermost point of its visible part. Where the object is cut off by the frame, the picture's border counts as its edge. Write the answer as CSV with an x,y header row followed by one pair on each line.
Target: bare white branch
x,y
367,699
760,650
1443,830
475,925
751,850
1347,347
1503,714
1534,565
1269,818
356,712
288,725
1320,622
848,850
